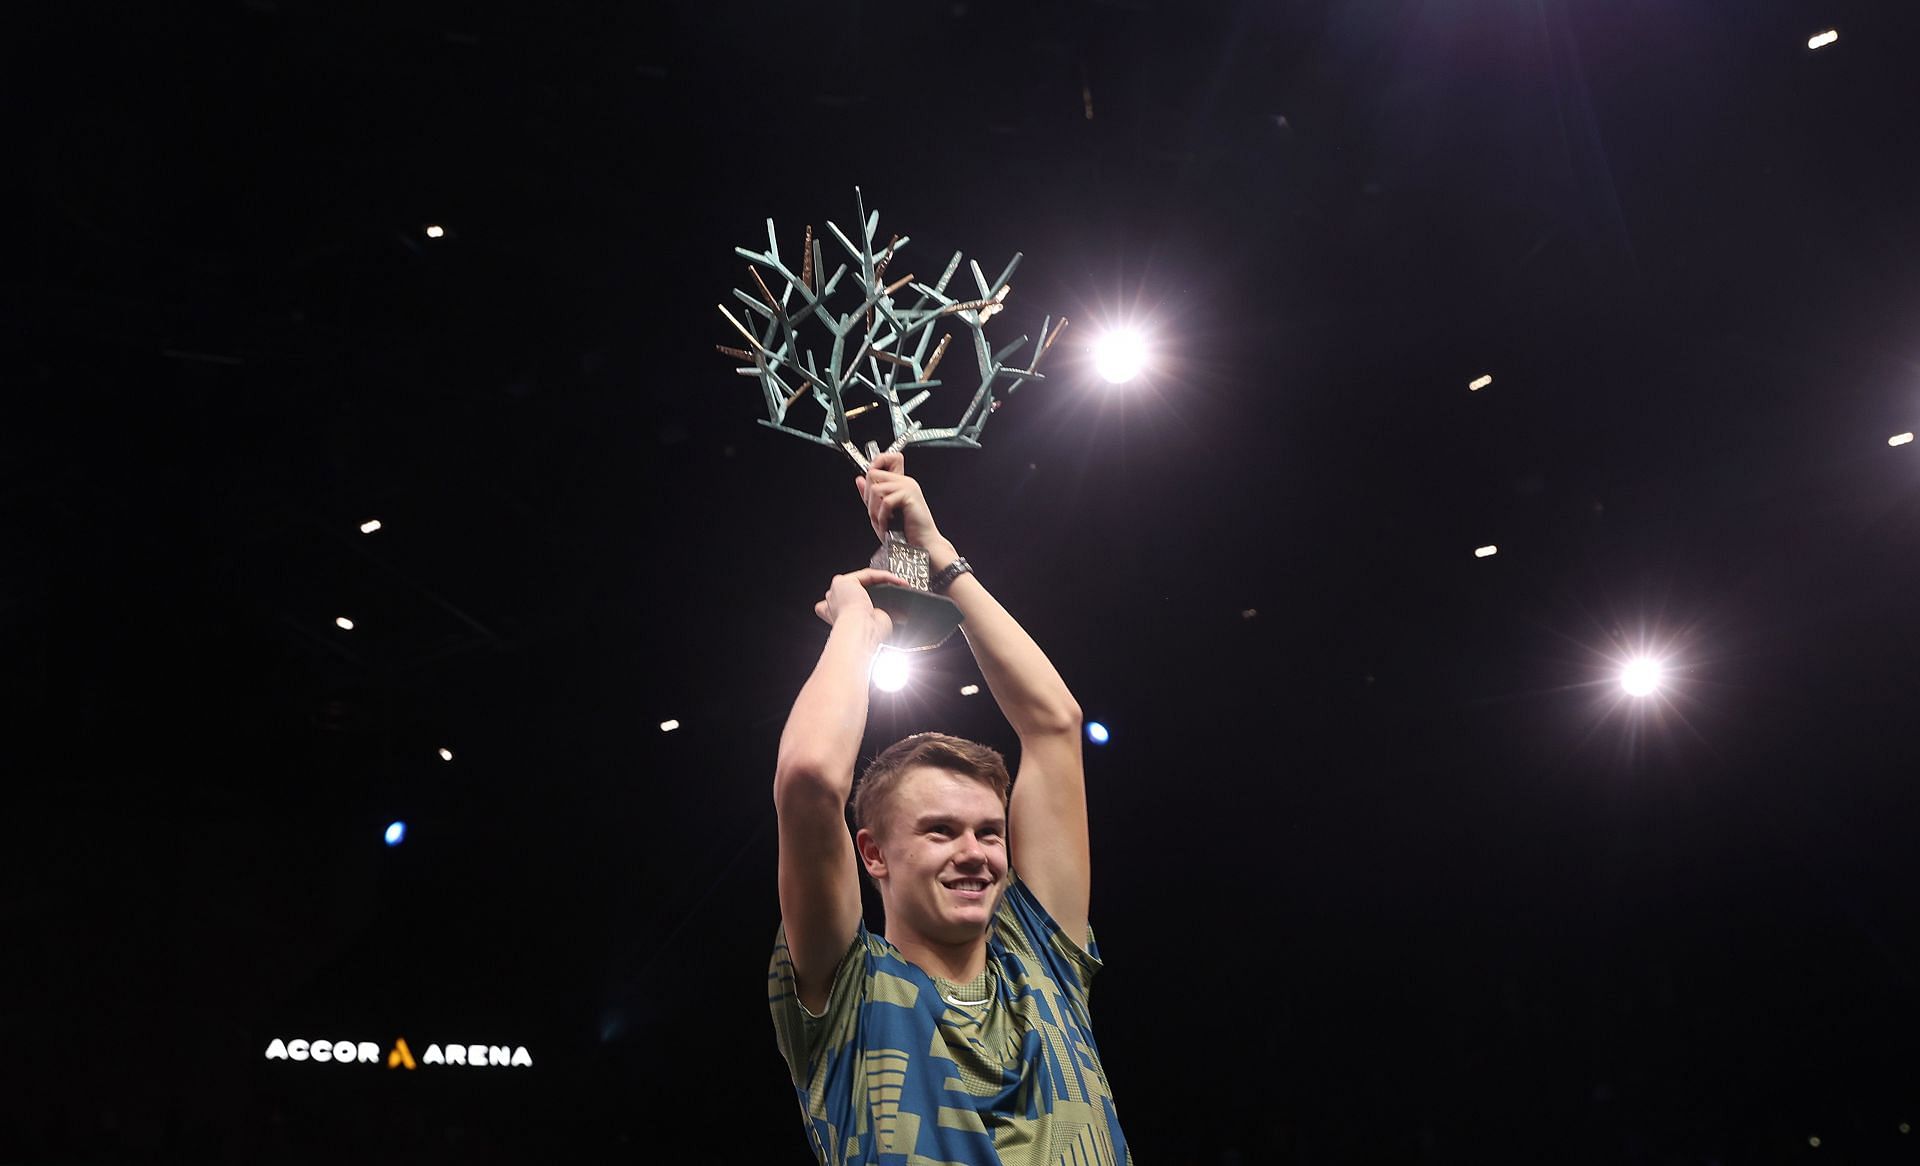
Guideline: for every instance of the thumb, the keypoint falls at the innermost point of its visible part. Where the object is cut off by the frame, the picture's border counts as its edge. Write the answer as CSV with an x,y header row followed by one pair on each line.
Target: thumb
x,y
860,484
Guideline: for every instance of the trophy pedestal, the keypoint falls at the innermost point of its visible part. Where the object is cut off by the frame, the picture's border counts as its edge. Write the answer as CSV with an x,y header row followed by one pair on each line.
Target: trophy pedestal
x,y
921,619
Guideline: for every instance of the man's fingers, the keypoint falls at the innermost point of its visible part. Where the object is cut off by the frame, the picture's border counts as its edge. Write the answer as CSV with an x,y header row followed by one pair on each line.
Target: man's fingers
x,y
866,577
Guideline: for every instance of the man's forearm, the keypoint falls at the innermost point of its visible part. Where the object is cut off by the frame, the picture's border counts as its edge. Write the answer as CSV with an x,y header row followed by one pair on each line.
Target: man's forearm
x,y
1030,692
829,717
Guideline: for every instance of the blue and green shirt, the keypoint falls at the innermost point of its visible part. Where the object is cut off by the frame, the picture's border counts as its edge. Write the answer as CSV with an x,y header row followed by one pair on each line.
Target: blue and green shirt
x,y
906,1069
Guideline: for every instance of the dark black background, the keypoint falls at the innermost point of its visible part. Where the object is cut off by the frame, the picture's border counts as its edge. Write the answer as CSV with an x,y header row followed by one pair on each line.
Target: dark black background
x,y
1386,871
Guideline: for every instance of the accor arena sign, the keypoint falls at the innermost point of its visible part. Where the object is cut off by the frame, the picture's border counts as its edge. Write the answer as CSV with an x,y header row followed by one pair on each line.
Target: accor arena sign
x,y
366,1052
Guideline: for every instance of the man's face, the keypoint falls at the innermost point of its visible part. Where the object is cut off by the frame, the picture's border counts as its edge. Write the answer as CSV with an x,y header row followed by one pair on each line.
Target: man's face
x,y
942,863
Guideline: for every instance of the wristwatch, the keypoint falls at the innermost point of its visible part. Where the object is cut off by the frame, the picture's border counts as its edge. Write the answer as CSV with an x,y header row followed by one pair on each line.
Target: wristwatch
x,y
939,583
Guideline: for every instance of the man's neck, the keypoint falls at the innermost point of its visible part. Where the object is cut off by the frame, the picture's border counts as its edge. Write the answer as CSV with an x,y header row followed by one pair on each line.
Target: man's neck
x,y
956,964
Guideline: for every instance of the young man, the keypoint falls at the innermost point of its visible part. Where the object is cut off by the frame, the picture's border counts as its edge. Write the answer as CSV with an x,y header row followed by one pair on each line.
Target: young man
x,y
962,1036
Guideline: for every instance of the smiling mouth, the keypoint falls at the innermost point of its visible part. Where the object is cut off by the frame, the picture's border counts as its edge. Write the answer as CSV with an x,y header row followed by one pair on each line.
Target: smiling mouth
x,y
970,888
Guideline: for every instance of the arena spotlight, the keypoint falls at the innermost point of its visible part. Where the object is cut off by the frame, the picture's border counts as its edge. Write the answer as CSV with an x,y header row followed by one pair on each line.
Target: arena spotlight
x,y
435,232
1642,676
1900,439
446,754
1821,41
343,623
1486,552
889,670
1119,355
1478,383
1097,733
396,833
669,726
969,690
369,526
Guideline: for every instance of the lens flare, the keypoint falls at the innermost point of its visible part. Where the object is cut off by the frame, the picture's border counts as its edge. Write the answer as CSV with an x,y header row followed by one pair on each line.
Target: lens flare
x,y
890,670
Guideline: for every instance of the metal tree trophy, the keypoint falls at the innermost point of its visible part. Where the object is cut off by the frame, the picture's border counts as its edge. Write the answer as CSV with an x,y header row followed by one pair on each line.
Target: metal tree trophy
x,y
879,352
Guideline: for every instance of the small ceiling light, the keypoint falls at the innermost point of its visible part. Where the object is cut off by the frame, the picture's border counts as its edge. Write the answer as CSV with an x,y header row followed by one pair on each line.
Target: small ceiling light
x,y
446,754
1478,383
1641,676
969,690
669,726
1119,356
890,670
1097,733
1821,41
1905,1128
369,526
1900,439
1814,1142
396,833
344,624
1485,552
435,232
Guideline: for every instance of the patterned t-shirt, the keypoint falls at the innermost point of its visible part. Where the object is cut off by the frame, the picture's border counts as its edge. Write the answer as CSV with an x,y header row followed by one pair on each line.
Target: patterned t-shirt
x,y
902,1070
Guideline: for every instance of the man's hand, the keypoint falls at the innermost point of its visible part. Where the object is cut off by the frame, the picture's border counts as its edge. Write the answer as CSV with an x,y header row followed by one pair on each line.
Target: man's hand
x,y
887,491
847,596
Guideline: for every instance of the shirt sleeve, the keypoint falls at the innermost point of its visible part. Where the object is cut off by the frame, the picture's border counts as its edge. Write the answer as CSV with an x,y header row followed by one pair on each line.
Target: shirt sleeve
x,y
803,1037
1025,923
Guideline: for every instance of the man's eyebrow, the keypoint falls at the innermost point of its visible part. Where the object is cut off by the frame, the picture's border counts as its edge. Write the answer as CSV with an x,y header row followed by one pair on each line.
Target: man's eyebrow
x,y
926,821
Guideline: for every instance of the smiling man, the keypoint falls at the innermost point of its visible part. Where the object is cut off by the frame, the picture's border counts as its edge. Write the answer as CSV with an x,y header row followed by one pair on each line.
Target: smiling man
x,y
962,1034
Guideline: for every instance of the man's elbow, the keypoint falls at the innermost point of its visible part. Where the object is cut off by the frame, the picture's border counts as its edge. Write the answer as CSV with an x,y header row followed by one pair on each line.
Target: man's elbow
x,y
1061,718
809,777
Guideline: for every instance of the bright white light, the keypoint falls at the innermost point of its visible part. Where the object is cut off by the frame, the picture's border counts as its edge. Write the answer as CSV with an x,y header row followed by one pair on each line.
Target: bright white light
x,y
1487,551
1820,42
1479,383
1097,733
396,833
369,526
890,670
434,232
446,754
1900,439
669,726
1641,677
344,623
969,690
1119,356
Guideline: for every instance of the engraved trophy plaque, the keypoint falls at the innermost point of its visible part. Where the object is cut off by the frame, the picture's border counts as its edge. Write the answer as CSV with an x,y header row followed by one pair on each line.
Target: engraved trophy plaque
x,y
880,359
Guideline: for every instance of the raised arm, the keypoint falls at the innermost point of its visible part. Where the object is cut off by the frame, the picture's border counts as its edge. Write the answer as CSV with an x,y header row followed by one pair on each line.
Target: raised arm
x,y
1047,822
819,872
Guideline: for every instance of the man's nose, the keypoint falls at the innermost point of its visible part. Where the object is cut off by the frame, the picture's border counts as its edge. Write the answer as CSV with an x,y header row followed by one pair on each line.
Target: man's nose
x,y
971,848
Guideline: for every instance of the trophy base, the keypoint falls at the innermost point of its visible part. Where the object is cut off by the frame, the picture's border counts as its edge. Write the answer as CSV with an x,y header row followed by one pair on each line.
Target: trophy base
x,y
921,619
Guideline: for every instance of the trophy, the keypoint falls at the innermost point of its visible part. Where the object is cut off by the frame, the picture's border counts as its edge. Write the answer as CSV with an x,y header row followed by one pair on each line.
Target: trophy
x,y
878,362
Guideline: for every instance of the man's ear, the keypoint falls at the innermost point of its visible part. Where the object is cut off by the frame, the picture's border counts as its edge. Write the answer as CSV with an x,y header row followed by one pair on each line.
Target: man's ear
x,y
870,855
